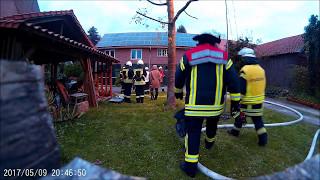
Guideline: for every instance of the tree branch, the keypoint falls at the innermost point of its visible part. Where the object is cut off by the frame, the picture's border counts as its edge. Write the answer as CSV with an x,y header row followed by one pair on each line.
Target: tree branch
x,y
189,15
162,22
157,4
181,10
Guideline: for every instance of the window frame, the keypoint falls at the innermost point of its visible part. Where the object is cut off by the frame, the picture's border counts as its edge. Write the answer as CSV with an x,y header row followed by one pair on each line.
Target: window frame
x,y
107,51
160,52
136,54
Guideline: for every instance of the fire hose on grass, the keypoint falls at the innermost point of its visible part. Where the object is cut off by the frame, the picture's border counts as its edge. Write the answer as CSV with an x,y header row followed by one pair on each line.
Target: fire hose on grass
x,y
215,175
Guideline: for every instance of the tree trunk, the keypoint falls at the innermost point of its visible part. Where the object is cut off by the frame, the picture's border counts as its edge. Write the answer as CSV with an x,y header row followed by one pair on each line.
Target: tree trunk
x,y
171,55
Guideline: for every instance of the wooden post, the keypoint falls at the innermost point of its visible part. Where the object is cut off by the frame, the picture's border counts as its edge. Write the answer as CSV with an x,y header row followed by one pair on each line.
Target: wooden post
x,y
95,73
101,80
110,78
105,79
88,82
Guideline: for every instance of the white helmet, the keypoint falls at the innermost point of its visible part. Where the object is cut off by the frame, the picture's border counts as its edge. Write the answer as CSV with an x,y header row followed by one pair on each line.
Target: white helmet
x,y
146,68
246,52
140,62
129,63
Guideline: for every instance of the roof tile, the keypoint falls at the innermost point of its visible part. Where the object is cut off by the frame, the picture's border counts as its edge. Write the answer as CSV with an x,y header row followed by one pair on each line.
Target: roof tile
x,y
293,44
17,20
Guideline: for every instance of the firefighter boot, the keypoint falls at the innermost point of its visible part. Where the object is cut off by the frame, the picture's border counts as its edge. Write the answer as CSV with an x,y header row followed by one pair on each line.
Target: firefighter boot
x,y
234,132
263,139
189,168
138,100
208,145
141,99
127,100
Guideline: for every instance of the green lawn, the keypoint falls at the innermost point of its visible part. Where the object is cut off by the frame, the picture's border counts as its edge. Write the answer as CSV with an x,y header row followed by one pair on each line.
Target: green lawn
x,y
140,140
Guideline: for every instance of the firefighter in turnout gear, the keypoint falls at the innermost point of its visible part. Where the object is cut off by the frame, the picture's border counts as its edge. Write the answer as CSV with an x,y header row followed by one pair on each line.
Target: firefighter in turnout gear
x,y
252,86
207,73
139,81
127,80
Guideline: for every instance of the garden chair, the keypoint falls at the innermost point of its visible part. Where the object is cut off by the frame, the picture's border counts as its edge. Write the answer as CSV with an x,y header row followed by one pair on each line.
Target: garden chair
x,y
74,105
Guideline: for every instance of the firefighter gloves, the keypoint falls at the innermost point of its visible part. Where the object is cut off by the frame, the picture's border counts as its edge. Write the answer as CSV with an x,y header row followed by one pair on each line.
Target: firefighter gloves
x,y
179,95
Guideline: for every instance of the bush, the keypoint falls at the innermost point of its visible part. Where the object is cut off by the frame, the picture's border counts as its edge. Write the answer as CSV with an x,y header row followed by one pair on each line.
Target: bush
x,y
74,70
300,76
273,91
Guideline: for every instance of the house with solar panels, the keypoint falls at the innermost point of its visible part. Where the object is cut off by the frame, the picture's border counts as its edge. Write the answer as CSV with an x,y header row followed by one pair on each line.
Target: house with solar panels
x,y
151,47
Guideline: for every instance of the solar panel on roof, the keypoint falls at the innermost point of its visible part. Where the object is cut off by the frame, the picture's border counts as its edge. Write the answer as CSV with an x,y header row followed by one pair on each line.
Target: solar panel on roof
x,y
144,39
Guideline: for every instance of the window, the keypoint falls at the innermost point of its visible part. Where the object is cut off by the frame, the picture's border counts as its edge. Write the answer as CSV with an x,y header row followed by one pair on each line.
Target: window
x,y
110,52
136,53
163,52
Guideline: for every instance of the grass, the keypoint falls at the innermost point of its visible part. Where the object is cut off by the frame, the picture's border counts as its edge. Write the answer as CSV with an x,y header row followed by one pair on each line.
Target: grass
x,y
140,140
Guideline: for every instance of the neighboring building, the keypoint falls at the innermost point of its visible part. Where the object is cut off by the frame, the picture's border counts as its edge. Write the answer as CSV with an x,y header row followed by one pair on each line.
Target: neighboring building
x,y
277,58
151,47
12,7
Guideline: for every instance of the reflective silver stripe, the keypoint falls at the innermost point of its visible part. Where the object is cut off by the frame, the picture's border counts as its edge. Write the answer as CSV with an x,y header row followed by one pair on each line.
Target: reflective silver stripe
x,y
219,84
261,131
193,86
206,60
207,52
182,65
204,107
229,64
139,83
203,113
210,139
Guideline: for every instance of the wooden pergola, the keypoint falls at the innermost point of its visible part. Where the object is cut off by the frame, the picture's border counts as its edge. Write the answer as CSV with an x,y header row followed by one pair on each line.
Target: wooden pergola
x,y
54,37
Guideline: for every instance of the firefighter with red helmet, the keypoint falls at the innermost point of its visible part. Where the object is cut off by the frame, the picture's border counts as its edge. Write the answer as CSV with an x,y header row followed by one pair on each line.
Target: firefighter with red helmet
x,y
127,80
139,81
207,73
252,86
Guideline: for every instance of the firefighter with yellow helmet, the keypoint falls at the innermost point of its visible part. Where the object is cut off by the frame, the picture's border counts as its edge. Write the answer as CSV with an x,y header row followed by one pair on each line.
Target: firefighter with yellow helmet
x,y
139,81
127,80
252,86
207,73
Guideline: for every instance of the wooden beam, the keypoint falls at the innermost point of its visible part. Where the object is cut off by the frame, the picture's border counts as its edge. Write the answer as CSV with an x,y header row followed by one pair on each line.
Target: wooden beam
x,y
106,79
110,79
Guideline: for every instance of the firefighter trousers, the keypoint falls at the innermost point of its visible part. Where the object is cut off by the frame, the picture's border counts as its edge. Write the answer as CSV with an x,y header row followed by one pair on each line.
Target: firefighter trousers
x,y
255,113
127,91
139,93
192,139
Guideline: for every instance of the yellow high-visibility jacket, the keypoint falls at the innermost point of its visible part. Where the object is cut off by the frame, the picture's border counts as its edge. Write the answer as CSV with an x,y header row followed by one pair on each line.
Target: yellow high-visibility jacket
x,y
139,73
252,83
127,75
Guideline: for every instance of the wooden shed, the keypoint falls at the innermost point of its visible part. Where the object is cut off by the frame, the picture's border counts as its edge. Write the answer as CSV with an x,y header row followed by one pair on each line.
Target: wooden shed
x,y
54,37
277,58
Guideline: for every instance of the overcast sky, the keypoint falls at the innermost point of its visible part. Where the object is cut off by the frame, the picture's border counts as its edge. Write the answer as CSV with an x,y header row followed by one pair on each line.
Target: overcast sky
x,y
268,20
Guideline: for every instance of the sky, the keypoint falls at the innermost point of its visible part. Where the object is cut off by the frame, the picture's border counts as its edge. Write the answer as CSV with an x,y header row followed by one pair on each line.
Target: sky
x,y
265,20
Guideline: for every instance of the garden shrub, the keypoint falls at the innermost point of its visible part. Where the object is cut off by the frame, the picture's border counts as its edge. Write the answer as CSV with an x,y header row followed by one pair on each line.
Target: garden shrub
x,y
74,70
